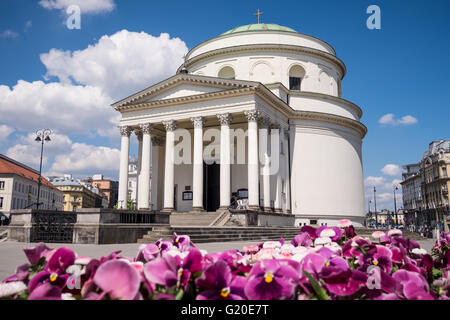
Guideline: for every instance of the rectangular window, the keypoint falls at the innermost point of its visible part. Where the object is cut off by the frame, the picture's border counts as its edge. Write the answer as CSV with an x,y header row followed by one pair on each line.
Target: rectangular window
x,y
294,83
1,202
2,185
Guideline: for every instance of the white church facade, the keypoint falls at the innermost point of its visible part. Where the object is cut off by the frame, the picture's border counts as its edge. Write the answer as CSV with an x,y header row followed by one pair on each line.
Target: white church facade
x,y
257,111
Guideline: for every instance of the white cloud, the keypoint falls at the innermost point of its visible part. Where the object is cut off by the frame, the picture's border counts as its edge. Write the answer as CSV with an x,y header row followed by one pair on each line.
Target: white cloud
x,y
120,64
374,181
28,25
389,119
86,159
28,151
5,131
86,6
65,108
9,34
391,170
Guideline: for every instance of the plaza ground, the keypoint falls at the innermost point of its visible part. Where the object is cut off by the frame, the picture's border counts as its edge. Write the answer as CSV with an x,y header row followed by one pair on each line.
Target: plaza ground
x,y
12,255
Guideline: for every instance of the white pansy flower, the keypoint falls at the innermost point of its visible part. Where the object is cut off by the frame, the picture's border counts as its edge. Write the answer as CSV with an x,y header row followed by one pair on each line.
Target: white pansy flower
x,y
10,288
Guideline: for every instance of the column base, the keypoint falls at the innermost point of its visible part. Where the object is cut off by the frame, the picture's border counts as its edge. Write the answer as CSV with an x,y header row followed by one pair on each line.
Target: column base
x,y
167,210
267,209
278,210
288,211
254,208
197,209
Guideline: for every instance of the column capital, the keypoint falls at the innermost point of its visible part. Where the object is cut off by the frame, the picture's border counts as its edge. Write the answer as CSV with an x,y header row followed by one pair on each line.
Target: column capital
x,y
198,122
138,133
264,122
252,115
125,130
157,141
146,128
170,125
225,118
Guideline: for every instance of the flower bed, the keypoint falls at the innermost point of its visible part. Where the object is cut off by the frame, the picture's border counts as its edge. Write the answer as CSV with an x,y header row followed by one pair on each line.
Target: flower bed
x,y
324,263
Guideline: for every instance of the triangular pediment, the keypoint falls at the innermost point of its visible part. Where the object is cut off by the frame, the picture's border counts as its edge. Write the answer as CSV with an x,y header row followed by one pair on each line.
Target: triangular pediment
x,y
182,85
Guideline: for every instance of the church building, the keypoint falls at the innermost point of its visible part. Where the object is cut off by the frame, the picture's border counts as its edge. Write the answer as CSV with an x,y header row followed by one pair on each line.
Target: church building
x,y
255,113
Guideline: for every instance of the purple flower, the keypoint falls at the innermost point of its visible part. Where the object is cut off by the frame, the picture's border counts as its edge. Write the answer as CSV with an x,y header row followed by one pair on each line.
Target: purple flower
x,y
303,239
34,254
411,285
54,274
147,252
218,284
272,280
171,271
163,245
119,279
181,241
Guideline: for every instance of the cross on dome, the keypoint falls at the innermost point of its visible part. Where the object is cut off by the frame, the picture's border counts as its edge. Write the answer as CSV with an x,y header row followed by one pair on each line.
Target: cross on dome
x,y
258,14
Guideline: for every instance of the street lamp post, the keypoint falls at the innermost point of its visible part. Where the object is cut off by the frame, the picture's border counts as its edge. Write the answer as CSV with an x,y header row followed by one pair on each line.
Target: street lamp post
x,y
395,206
375,203
41,136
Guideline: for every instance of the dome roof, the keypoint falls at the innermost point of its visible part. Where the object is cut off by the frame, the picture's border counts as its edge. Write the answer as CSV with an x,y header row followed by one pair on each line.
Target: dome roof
x,y
259,27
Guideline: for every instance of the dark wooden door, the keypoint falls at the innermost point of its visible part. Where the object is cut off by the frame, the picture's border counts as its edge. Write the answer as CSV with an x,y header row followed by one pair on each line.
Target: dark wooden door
x,y
211,187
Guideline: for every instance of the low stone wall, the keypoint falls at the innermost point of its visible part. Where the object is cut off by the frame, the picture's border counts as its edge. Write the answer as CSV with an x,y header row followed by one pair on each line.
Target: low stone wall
x,y
89,225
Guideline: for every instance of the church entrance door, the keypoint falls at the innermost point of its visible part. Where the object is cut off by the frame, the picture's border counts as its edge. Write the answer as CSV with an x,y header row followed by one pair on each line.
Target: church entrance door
x,y
211,186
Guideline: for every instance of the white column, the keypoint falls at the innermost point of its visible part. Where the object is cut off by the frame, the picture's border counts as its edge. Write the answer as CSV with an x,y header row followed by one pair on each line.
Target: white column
x,y
287,183
264,156
225,160
169,179
125,131
197,166
279,184
144,177
156,148
253,174
138,133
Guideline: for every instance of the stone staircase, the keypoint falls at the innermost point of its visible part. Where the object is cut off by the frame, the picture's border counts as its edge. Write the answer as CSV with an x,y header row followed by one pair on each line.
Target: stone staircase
x,y
194,219
204,234
222,234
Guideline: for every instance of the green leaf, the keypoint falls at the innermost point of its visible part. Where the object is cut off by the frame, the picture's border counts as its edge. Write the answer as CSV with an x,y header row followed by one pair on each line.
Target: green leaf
x,y
437,273
179,295
321,294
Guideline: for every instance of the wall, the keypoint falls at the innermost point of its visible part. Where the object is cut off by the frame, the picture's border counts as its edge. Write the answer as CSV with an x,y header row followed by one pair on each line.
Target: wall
x,y
327,177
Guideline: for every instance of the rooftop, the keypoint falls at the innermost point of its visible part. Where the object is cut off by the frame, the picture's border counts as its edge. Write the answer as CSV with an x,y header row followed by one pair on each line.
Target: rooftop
x,y
260,27
11,166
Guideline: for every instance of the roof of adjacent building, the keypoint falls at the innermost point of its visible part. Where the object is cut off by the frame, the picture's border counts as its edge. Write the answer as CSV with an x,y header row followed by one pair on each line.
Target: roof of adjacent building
x,y
11,166
436,146
260,27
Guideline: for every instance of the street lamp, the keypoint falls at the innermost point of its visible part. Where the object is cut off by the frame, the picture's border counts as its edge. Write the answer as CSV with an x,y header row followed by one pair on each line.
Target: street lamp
x,y
395,206
41,136
375,202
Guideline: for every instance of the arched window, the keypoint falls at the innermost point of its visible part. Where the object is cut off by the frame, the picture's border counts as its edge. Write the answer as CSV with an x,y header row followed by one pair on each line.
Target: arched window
x,y
296,74
227,73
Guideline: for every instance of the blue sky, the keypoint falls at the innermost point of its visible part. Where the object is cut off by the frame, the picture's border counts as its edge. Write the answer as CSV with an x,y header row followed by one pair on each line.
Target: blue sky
x,y
401,69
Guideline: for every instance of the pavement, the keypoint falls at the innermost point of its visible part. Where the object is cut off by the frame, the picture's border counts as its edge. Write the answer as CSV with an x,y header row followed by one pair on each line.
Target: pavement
x,y
12,256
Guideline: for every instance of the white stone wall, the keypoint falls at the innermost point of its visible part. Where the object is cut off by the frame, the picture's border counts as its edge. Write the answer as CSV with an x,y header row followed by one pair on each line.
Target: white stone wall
x,y
327,175
16,195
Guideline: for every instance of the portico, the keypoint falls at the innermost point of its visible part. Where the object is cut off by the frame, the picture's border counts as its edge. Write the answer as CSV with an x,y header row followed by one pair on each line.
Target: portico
x,y
229,141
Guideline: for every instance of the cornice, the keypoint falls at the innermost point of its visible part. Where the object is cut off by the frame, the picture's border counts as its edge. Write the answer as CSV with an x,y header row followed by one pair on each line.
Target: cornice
x,y
297,34
266,47
263,93
316,95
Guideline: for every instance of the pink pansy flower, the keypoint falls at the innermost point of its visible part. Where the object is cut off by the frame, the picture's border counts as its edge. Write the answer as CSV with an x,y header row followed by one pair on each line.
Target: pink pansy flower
x,y
377,234
344,223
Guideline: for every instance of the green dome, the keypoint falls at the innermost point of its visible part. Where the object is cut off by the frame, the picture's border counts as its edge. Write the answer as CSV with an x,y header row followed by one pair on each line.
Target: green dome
x,y
259,27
